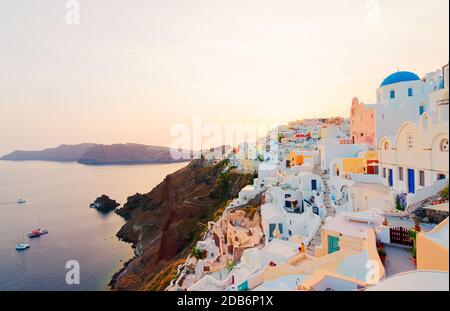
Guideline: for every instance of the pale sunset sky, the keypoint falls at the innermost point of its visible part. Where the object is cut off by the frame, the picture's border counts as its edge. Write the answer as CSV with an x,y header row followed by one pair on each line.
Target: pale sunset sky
x,y
132,69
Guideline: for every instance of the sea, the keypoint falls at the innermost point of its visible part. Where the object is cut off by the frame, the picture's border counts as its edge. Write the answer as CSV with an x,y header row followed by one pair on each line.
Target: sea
x,y
81,250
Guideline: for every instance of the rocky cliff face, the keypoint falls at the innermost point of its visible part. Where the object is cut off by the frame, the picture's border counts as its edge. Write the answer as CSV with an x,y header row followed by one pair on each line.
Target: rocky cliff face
x,y
127,154
61,153
164,224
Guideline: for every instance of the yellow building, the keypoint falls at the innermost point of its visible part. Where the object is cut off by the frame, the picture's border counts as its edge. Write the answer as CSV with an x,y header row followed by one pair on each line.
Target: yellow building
x,y
364,164
296,158
432,248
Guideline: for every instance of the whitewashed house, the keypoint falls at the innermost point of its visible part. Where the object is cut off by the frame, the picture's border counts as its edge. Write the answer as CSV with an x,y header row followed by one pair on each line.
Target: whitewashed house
x,y
415,159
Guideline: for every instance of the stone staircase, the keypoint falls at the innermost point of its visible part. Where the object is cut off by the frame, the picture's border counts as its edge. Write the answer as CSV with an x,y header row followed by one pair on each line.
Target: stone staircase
x,y
326,188
316,241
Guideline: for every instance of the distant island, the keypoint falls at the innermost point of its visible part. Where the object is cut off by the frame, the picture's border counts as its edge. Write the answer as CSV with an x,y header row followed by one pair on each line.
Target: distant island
x,y
97,154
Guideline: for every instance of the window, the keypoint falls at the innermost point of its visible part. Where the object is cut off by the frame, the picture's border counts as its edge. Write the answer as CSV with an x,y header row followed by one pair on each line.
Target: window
x,y
443,145
384,172
410,91
422,178
410,141
421,110
400,173
287,195
392,94
441,176
386,145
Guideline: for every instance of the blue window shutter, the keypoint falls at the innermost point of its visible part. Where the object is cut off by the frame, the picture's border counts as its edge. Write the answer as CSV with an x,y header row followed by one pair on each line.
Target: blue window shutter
x,y
421,110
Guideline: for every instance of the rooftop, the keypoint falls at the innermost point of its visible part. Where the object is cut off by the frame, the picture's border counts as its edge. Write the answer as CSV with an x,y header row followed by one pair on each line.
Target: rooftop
x,y
399,76
278,246
414,281
439,235
353,228
283,283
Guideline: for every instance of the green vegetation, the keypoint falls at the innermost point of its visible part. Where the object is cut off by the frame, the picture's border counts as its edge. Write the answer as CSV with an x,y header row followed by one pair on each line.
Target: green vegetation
x,y
230,265
398,204
222,189
413,235
445,193
198,253
280,137
413,252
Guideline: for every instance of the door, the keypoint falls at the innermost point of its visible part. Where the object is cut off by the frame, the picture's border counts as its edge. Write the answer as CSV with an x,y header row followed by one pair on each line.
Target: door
x,y
243,286
271,229
391,178
333,244
315,210
313,184
411,182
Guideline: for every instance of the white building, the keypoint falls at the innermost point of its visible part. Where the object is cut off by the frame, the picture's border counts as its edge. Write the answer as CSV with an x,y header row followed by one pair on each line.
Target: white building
x,y
402,96
279,222
330,151
247,194
417,156
277,251
267,175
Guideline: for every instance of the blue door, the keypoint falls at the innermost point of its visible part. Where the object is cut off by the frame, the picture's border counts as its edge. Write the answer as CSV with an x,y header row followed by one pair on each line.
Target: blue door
x,y
271,229
333,244
411,183
243,286
391,178
314,184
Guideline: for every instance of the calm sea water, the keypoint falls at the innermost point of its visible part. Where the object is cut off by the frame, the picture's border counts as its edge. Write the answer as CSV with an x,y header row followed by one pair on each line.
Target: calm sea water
x,y
58,197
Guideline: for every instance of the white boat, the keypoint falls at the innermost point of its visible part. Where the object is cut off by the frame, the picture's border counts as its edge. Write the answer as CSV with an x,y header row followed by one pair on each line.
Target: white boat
x,y
21,201
22,246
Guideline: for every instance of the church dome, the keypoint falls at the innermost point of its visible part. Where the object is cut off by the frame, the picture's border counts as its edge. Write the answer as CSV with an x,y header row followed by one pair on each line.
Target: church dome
x,y
399,76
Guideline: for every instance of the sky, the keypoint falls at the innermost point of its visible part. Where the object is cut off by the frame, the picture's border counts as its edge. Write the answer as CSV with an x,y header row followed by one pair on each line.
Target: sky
x,y
131,70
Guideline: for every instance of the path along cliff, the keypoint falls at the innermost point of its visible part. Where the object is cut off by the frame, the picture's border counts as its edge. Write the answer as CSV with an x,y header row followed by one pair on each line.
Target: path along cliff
x,y
165,223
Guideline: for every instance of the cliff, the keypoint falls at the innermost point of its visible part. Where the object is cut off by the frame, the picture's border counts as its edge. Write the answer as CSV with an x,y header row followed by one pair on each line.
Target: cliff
x,y
126,154
96,154
62,153
164,224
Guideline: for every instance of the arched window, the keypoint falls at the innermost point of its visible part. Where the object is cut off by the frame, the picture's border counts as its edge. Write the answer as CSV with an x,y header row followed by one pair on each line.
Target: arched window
x,y
443,145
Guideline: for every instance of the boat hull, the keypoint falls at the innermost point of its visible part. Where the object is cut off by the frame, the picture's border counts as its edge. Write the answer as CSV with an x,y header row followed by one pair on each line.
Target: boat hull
x,y
36,235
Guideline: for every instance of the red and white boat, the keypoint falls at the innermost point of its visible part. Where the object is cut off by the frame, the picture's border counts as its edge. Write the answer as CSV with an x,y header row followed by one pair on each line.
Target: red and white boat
x,y
36,233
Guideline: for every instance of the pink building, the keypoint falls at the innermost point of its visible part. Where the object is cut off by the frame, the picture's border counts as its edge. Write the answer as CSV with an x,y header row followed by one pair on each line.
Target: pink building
x,y
362,123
